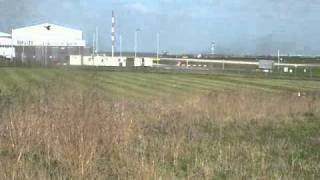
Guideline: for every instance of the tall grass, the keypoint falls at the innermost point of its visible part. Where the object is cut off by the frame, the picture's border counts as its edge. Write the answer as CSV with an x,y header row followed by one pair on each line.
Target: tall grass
x,y
69,133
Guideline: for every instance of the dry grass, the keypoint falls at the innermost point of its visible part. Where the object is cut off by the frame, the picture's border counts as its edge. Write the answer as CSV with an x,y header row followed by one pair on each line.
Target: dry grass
x,y
71,134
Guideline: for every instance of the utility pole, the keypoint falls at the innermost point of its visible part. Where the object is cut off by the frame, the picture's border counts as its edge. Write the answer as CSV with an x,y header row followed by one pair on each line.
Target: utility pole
x,y
278,60
93,44
22,56
11,51
136,42
158,46
223,65
97,40
213,48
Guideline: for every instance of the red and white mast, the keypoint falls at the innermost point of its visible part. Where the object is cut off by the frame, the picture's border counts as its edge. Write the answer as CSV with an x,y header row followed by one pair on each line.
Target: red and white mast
x,y
113,37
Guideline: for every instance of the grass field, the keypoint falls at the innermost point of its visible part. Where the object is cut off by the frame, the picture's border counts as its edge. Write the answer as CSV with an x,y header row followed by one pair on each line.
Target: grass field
x,y
145,85
86,124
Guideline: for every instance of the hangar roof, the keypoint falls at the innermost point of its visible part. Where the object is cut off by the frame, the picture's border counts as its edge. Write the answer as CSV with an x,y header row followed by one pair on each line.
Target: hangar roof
x,y
48,30
2,34
47,34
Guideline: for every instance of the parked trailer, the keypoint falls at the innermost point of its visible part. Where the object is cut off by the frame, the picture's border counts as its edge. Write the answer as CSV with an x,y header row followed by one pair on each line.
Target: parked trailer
x,y
98,61
148,62
88,61
138,62
110,61
122,61
143,62
75,60
101,61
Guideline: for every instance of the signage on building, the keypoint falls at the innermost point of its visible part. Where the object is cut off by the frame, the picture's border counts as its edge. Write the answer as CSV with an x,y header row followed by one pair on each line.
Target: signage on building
x,y
48,43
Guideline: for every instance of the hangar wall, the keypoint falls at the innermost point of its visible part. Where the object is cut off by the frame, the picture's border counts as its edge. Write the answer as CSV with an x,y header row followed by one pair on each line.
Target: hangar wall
x,y
6,47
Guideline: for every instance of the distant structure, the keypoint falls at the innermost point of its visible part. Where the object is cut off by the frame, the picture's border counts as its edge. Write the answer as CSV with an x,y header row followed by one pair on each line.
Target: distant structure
x,y
6,47
47,43
266,65
213,46
113,31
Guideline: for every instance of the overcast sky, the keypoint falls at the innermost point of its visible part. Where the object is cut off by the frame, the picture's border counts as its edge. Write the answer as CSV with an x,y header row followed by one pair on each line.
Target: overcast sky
x,y
237,26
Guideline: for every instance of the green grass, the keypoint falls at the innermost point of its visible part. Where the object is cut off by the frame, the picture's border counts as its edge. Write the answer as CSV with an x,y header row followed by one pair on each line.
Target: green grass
x,y
148,84
72,123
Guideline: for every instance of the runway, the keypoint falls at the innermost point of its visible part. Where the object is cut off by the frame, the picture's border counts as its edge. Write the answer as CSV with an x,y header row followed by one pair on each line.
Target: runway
x,y
222,61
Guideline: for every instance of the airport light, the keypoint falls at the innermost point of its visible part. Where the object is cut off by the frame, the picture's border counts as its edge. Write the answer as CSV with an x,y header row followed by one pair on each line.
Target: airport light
x,y
120,39
97,40
158,46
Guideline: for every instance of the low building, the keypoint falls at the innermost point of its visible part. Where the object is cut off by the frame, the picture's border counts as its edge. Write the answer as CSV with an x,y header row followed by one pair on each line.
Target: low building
x,y
106,61
6,46
47,43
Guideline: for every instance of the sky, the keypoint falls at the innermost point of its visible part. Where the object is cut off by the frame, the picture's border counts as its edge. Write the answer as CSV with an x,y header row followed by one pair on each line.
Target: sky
x,y
242,27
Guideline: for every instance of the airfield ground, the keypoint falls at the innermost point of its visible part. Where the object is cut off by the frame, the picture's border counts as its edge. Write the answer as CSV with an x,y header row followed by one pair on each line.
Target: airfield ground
x,y
72,123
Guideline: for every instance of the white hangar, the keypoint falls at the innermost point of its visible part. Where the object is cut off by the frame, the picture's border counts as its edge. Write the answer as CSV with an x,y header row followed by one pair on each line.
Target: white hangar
x,y
47,43
47,35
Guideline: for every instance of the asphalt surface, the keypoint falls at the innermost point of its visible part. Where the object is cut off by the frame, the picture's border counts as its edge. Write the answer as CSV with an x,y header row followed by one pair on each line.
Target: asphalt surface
x,y
221,61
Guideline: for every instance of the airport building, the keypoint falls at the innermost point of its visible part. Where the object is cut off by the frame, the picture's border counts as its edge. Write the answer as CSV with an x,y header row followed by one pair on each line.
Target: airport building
x,y
50,44
47,44
6,47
